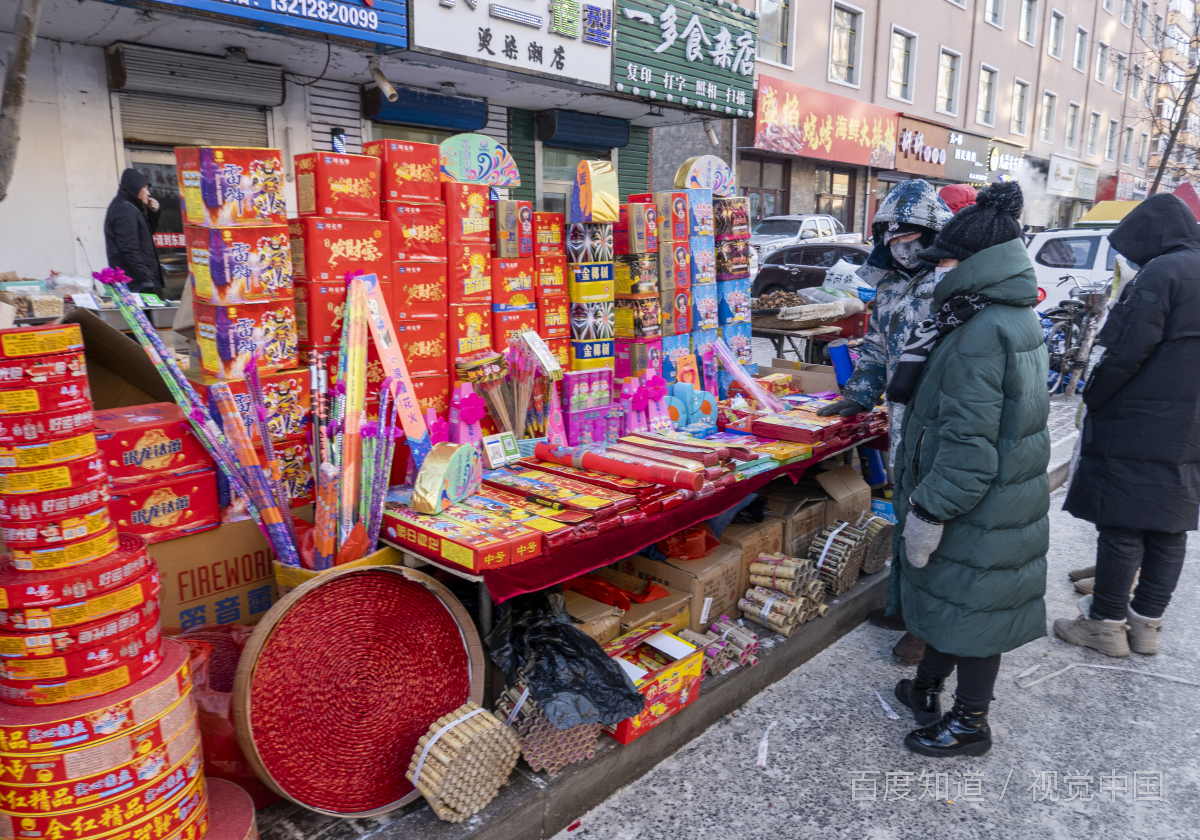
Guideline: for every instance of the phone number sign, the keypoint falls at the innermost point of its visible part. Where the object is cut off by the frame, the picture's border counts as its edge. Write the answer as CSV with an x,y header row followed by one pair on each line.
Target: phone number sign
x,y
373,21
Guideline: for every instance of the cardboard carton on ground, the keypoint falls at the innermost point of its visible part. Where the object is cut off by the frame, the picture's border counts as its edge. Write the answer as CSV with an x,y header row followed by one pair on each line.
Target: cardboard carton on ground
x,y
812,379
803,514
753,539
712,581
849,494
599,621
666,689
672,611
120,374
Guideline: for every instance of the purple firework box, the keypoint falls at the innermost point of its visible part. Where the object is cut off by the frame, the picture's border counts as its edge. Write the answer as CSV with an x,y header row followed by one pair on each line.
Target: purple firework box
x,y
733,298
733,260
228,335
222,186
587,425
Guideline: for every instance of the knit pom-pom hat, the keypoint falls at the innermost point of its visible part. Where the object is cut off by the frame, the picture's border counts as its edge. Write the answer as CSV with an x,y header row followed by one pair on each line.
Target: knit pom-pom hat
x,y
994,219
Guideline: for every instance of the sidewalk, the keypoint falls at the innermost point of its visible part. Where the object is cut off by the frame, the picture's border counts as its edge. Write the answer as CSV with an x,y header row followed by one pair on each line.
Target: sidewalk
x,y
1057,746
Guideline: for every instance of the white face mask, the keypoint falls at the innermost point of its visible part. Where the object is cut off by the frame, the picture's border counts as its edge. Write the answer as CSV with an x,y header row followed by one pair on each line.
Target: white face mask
x,y
940,272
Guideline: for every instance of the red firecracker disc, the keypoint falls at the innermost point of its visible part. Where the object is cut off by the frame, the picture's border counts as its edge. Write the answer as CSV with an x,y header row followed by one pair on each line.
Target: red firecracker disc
x,y
230,812
60,503
343,676
39,370
53,425
60,587
19,645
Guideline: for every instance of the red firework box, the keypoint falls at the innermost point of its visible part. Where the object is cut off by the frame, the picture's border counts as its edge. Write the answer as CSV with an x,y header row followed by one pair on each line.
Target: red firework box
x,y
239,264
49,479
549,275
229,335
328,249
50,396
60,529
320,309
548,234
445,539
122,650
667,688
560,348
525,543
333,186
467,219
221,186
42,370
470,330
512,284
554,316
30,342
469,274
674,266
432,391
287,396
18,645
510,322
419,290
417,232
172,507
424,345
144,442
409,171
512,229
636,230
672,210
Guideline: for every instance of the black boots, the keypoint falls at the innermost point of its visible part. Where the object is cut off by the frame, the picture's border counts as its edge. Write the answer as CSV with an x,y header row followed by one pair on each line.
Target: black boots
x,y
921,695
962,731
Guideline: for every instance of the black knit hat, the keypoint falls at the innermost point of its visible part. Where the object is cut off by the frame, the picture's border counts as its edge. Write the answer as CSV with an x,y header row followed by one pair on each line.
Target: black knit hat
x,y
994,219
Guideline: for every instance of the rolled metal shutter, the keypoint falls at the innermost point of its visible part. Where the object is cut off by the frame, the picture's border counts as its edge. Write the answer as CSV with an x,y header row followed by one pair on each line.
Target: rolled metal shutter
x,y
170,121
134,68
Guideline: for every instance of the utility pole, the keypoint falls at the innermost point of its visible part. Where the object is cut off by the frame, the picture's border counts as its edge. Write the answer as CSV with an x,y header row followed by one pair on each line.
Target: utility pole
x,y
16,77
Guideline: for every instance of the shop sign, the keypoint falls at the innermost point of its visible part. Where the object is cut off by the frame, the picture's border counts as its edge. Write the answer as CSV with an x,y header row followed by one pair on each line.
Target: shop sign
x,y
565,39
966,158
1085,183
698,53
1130,187
374,21
797,120
921,148
1062,175
1004,159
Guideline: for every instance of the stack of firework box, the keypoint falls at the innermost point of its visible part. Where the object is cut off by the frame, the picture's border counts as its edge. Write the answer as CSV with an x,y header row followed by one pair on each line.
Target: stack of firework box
x,y
637,323
731,227
528,275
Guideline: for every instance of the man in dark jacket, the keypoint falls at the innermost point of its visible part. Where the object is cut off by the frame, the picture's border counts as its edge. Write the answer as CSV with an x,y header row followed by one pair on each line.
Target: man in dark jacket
x,y
129,229
1138,477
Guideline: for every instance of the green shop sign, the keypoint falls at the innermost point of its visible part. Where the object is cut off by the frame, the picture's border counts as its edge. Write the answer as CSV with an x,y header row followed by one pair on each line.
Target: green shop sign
x,y
696,54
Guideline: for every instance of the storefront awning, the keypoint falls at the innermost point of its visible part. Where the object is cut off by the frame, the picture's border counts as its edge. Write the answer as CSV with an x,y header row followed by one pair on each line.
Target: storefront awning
x,y
1106,213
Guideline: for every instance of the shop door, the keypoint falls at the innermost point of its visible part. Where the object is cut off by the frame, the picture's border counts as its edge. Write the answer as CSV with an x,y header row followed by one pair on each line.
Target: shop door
x,y
558,176
764,182
835,194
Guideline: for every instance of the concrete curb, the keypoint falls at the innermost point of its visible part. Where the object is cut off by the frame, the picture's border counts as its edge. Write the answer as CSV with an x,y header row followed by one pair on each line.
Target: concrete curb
x,y
1060,460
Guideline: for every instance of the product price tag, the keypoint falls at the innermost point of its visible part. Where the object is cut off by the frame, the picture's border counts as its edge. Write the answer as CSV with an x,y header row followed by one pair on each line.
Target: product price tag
x,y
85,300
149,299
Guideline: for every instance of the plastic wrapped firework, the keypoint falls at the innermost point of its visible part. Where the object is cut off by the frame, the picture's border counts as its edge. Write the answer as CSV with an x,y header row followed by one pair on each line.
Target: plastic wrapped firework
x,y
838,552
543,745
730,362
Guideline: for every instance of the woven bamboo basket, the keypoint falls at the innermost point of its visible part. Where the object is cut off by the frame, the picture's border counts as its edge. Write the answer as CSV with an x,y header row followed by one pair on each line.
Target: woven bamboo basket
x,y
797,317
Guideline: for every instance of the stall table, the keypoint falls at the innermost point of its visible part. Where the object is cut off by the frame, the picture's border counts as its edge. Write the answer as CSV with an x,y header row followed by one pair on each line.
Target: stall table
x,y
804,337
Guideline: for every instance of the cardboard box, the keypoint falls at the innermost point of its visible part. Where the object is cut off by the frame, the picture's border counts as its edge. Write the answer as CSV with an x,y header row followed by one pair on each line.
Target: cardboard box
x,y
227,336
753,539
592,321
432,391
554,316
674,266
733,302
221,186
512,284
712,582
467,219
674,348
676,308
700,213
637,316
512,229
671,610
803,514
599,621
328,249
509,322
144,443
849,495
549,234
672,210
119,372
167,508
549,275
218,576
419,290
702,340
416,232
469,273
808,379
425,345
636,230
445,540
668,689
740,338
560,348
470,330
408,171
635,274
239,264
332,185
296,475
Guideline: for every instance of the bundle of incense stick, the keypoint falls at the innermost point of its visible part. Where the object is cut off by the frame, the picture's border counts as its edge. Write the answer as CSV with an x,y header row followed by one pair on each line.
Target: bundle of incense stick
x,y
838,553
718,653
742,638
460,764
543,745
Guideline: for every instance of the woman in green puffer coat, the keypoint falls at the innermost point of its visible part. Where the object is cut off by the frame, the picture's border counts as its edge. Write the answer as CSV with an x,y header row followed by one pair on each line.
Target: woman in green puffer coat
x,y
971,487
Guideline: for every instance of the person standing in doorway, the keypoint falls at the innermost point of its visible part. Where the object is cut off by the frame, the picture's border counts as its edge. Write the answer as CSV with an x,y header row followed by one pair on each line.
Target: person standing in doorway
x,y
129,228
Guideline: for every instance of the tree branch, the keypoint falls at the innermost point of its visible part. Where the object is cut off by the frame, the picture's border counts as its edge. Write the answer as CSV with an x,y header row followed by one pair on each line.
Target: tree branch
x,y
16,78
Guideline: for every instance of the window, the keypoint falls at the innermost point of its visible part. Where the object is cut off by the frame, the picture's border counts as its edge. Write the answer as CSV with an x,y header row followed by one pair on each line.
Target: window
x,y
1071,133
1110,141
1093,137
826,226
947,82
1158,32
1127,147
993,12
1143,28
900,69
1143,150
1020,107
558,173
1150,83
765,183
820,257
1069,252
1126,12
1049,106
1119,76
1135,83
1108,7
985,105
774,26
1079,61
1102,63
1028,23
835,194
843,46
854,256
1057,22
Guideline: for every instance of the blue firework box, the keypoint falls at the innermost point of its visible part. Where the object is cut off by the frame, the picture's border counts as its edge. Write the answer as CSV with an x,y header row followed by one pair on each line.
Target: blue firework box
x,y
733,302
705,308
674,347
704,260
700,213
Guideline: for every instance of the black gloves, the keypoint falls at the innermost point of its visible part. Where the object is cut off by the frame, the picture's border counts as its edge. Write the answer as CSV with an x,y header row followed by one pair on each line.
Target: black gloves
x,y
843,407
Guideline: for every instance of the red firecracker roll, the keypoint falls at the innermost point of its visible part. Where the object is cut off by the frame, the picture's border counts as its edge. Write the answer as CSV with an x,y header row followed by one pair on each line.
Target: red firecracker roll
x,y
121,650
62,529
25,456
40,370
41,428
231,812
64,587
128,597
65,555
58,503
51,396
127,661
79,637
50,479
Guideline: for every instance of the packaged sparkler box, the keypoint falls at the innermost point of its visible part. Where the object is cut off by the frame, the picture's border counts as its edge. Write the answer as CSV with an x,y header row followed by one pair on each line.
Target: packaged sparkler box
x,y
731,217
554,316
674,348
636,230
332,185
164,508
700,213
733,299
549,275
221,186
558,491
144,442
510,322
512,229
554,534
432,391
586,389
419,290
328,249
593,320
676,309
469,274
738,337
590,282
512,284
635,274
733,260
425,344
286,393
444,540
704,308
524,542
408,171
549,234
639,357
637,316
586,425
467,221
470,329
239,264
228,335
416,232
320,310
589,242
592,355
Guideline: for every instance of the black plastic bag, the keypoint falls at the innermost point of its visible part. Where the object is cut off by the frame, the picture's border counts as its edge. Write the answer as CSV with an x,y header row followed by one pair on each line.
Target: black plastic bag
x,y
568,673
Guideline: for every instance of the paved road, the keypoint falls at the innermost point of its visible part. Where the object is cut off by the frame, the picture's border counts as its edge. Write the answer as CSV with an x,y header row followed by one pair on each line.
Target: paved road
x,y
1058,745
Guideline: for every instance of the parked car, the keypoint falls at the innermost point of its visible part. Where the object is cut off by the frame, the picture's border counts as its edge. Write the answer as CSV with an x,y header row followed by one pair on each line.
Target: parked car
x,y
775,232
1082,252
803,266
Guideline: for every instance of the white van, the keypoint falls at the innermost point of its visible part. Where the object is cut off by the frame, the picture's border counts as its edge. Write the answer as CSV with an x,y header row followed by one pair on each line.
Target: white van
x,y
1082,252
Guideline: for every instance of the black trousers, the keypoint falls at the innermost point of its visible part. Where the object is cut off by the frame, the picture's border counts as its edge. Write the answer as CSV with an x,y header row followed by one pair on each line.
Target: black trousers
x,y
976,676
1120,552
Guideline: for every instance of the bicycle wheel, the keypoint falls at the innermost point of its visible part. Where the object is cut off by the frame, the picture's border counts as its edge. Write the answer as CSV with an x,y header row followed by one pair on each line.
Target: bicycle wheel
x,y
1061,341
1083,358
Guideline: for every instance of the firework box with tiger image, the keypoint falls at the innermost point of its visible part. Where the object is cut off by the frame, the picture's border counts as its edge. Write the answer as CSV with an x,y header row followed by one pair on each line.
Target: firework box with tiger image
x,y
419,290
221,186
425,344
417,232
286,395
469,273
239,264
470,330
409,171
145,442
467,213
329,249
549,274
228,335
170,507
332,185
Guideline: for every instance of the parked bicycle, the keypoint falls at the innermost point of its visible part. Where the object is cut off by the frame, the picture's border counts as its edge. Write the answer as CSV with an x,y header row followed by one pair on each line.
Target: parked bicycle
x,y
1071,329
